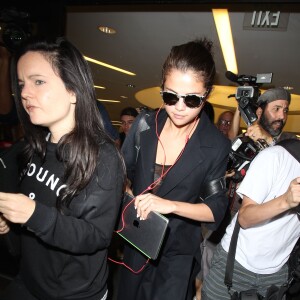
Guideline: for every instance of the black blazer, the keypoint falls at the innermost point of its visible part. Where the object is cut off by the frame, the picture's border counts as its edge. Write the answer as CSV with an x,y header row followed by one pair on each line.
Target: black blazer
x,y
203,160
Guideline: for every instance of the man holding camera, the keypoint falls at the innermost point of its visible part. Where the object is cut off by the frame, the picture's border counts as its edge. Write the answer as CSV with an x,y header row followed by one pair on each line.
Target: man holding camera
x,y
272,113
269,222
269,230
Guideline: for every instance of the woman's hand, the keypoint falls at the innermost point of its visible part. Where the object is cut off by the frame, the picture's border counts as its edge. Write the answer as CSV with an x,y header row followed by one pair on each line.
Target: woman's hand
x,y
149,202
4,227
17,208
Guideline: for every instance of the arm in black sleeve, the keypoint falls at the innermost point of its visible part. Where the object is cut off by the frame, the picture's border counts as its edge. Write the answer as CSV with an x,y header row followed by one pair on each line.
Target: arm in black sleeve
x,y
218,202
89,223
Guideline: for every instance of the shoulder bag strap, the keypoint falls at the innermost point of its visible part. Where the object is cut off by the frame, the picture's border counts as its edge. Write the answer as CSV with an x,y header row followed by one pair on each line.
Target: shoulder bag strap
x,y
231,255
292,146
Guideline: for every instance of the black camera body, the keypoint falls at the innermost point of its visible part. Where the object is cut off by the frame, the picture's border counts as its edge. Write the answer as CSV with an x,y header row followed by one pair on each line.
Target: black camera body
x,y
244,149
247,94
247,98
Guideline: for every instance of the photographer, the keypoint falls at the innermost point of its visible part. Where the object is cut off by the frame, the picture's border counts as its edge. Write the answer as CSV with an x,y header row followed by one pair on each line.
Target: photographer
x,y
269,227
272,113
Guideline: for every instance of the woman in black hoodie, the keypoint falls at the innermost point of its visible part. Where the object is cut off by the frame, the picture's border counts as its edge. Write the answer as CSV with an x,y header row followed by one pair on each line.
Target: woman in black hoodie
x,y
72,178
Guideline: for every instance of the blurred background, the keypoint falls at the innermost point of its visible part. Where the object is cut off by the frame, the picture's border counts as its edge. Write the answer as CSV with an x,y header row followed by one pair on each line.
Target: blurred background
x,y
126,43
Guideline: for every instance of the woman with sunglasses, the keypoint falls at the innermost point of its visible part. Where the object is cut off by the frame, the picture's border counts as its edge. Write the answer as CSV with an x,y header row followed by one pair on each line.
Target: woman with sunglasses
x,y
179,155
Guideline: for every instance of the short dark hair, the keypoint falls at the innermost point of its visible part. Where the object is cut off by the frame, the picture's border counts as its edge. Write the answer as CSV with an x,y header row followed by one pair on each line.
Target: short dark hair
x,y
129,111
195,56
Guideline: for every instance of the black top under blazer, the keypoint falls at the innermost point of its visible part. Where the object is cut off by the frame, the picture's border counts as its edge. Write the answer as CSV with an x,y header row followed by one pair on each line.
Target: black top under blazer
x,y
203,160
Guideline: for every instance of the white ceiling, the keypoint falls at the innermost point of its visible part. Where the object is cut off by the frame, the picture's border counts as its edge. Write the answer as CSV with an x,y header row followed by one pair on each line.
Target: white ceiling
x,y
145,35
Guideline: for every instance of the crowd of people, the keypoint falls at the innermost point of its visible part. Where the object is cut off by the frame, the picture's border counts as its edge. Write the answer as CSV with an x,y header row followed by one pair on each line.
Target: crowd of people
x,y
72,168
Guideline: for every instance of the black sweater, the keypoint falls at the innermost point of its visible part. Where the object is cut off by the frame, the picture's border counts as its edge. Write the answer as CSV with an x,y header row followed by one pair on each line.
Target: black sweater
x,y
64,255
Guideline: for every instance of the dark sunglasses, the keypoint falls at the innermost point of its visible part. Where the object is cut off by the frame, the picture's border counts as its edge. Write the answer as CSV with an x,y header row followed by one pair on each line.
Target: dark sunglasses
x,y
190,100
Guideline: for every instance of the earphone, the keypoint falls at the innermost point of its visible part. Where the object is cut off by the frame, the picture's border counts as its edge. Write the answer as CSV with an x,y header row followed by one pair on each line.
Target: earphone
x,y
154,183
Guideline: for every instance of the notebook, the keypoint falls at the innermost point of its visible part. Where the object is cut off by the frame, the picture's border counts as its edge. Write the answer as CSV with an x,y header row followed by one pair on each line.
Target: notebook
x,y
145,235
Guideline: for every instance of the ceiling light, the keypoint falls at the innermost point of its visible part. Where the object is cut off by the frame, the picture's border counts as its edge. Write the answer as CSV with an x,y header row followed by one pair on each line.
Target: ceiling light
x,y
222,22
105,100
124,97
99,87
108,66
107,30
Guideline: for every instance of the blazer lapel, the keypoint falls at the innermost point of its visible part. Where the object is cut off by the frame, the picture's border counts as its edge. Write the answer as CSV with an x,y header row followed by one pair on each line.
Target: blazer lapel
x,y
191,157
194,153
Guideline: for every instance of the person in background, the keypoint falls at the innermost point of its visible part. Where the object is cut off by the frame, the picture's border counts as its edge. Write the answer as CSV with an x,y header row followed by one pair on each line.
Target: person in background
x,y
127,117
269,230
5,90
225,121
72,178
179,154
272,114
109,128
10,129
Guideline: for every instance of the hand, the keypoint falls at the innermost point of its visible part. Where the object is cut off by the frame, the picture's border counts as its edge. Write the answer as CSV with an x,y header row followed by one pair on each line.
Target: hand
x,y
17,208
149,202
293,193
256,132
4,227
128,187
229,173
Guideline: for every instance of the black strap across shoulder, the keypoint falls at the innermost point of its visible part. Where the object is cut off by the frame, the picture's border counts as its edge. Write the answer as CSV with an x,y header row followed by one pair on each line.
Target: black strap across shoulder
x,y
231,255
293,147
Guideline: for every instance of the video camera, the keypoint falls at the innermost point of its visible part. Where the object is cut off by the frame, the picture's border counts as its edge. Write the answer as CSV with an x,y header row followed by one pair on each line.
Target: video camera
x,y
244,149
247,94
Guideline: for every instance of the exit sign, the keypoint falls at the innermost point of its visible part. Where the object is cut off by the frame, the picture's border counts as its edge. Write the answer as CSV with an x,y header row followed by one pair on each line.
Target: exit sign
x,y
266,20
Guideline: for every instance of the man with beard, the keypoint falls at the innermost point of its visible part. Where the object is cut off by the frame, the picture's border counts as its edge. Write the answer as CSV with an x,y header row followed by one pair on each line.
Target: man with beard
x,y
272,112
265,200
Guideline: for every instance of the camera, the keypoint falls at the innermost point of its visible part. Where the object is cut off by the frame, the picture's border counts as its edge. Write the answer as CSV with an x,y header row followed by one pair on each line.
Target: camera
x,y
247,94
247,97
14,28
244,149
